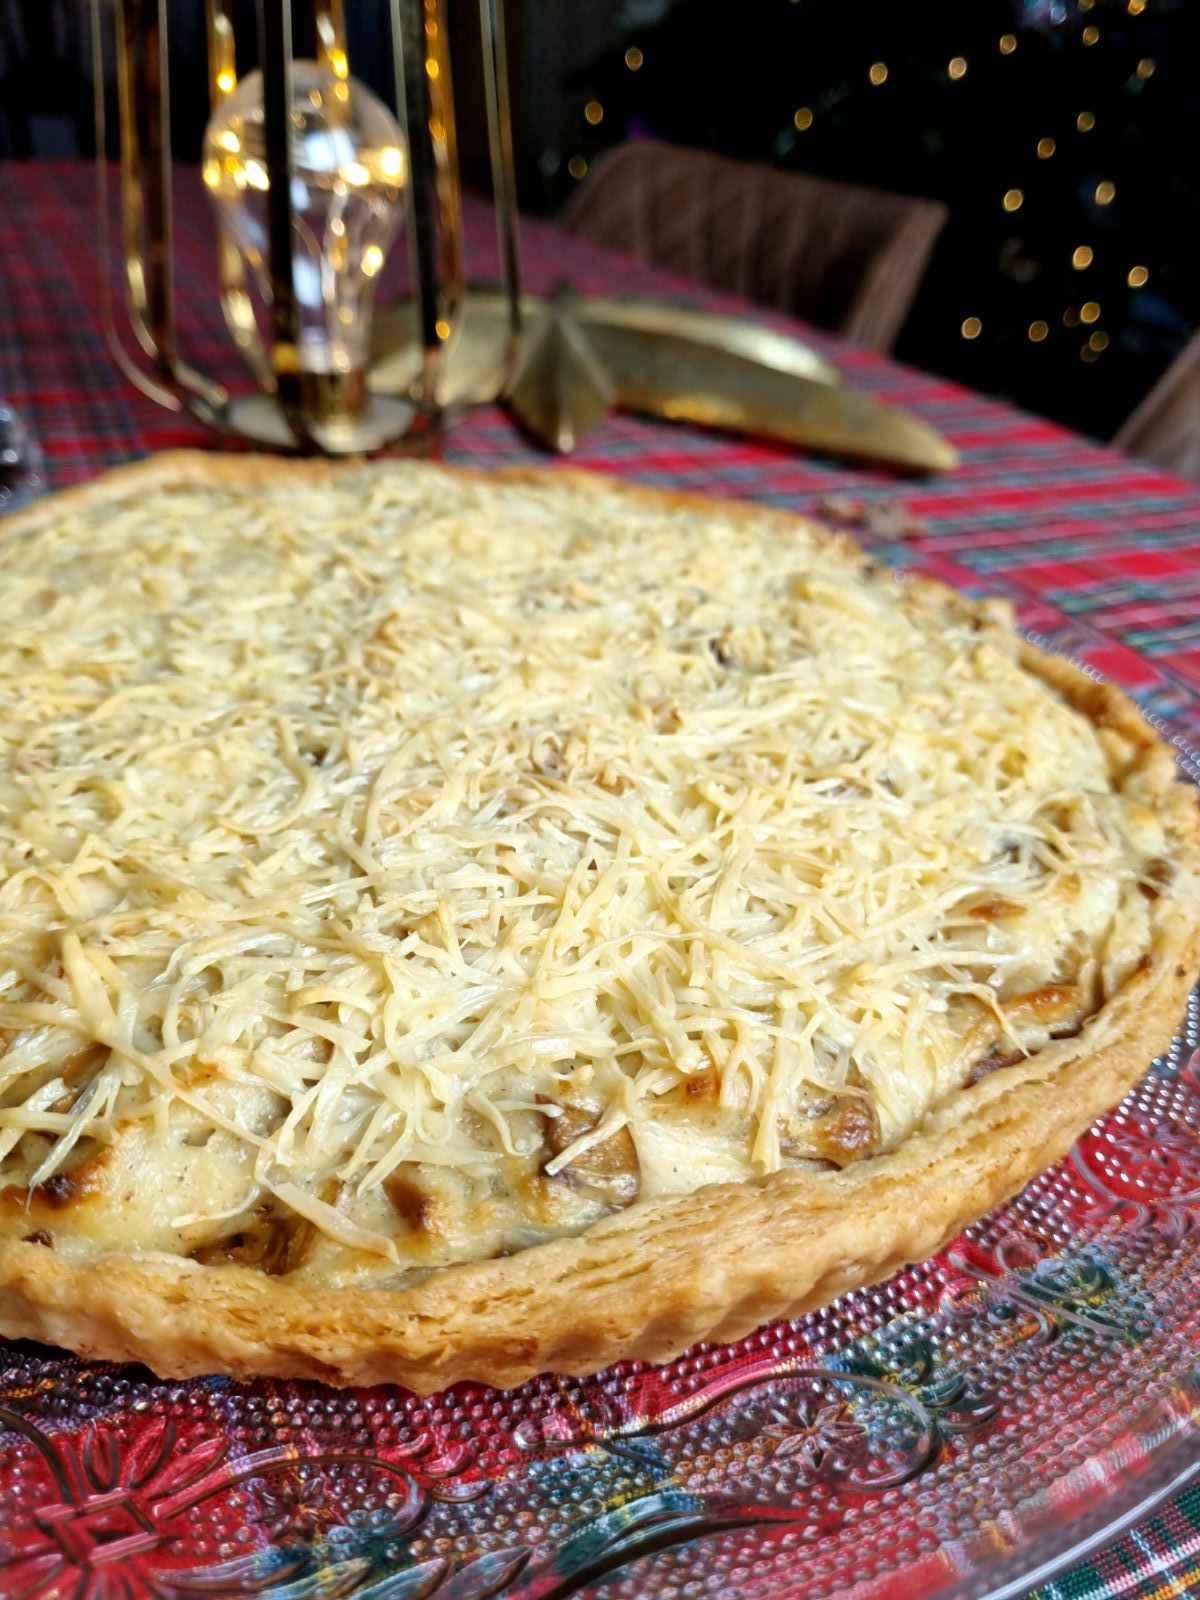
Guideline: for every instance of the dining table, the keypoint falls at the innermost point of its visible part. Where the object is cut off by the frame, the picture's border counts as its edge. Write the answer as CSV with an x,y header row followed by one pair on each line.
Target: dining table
x,y
1012,1377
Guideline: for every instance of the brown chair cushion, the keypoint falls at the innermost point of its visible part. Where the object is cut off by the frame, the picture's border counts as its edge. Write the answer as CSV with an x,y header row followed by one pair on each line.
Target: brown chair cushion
x,y
1165,426
843,257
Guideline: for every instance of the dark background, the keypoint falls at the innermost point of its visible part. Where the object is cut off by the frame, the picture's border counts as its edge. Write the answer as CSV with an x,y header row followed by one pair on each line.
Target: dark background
x,y
1057,131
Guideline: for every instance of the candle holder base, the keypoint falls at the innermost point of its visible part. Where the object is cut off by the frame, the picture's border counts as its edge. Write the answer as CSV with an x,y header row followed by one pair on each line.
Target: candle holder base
x,y
384,419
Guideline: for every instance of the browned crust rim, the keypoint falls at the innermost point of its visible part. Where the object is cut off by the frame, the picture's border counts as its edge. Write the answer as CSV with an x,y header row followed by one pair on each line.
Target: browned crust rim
x,y
654,1279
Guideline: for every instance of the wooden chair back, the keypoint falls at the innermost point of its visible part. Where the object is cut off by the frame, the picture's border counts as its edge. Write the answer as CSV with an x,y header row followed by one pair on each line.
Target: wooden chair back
x,y
842,257
1165,426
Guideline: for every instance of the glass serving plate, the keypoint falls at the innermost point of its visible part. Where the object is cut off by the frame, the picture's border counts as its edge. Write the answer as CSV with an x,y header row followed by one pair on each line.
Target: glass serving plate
x,y
965,1430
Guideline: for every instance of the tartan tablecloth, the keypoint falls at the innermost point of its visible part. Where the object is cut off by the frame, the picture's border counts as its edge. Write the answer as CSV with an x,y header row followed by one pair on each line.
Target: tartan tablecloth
x,y
1103,552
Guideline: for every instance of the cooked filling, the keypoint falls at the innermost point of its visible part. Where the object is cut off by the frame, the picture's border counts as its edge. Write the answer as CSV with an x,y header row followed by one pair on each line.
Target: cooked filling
x,y
403,871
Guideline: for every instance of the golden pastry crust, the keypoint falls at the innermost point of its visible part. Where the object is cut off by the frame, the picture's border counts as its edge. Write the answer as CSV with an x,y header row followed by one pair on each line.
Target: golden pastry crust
x,y
651,1280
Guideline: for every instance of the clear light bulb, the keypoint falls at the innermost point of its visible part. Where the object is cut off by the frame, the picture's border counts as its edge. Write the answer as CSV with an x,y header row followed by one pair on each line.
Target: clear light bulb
x,y
349,170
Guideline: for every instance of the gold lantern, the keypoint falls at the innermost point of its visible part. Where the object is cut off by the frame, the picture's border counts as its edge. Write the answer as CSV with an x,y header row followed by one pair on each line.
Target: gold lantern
x,y
313,181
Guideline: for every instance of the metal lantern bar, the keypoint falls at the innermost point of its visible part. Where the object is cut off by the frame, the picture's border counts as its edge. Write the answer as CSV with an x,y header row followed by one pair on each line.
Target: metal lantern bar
x,y
297,406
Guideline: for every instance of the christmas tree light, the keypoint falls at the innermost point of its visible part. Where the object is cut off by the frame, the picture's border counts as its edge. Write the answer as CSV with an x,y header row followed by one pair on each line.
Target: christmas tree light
x,y
1054,130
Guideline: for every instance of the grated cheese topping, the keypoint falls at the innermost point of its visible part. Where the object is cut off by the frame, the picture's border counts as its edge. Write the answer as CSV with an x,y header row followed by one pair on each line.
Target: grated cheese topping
x,y
406,868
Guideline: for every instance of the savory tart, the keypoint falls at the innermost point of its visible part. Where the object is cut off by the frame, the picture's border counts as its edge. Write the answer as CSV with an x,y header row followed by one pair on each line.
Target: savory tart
x,y
458,926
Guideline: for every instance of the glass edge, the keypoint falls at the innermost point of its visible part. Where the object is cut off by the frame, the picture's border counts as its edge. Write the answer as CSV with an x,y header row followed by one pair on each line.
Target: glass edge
x,y
1174,1465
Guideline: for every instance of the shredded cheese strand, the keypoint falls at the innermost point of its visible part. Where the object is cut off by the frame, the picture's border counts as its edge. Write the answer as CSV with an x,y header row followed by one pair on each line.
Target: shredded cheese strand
x,y
354,820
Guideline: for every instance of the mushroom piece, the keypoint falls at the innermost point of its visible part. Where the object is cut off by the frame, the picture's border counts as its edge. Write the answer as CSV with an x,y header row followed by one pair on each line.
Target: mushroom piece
x,y
1157,875
995,1062
84,1176
272,1239
1058,1008
997,909
416,1207
608,1172
838,1128
1057,1002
